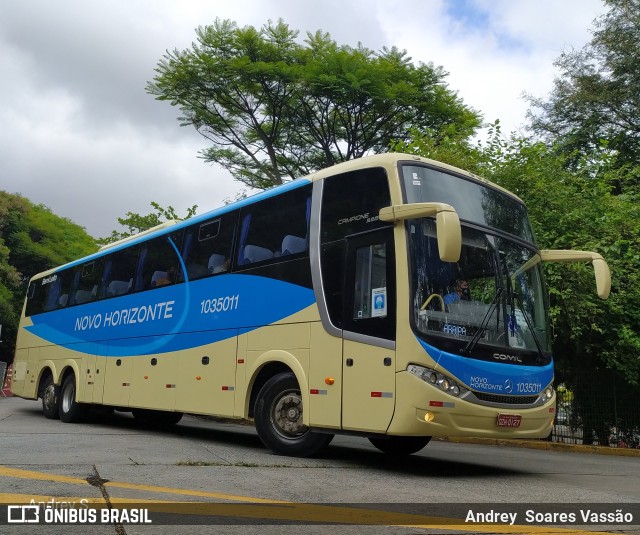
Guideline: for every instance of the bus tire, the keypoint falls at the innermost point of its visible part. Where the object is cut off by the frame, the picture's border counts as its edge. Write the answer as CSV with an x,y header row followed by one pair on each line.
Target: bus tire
x,y
51,399
157,419
70,410
278,418
399,445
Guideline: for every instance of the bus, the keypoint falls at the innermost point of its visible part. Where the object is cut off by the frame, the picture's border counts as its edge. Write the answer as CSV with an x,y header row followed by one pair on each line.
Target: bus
x,y
391,297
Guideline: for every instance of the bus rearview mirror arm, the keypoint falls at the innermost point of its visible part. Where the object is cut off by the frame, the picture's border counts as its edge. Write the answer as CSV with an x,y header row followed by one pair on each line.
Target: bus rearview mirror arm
x,y
600,266
447,224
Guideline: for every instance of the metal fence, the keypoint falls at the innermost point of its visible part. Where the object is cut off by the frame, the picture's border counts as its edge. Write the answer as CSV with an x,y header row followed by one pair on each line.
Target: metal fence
x,y
597,407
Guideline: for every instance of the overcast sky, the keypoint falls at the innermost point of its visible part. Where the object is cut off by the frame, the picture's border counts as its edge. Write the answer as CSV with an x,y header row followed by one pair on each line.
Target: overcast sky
x,y
79,134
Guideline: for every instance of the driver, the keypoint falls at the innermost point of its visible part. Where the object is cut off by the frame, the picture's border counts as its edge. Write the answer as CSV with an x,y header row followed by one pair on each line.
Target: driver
x,y
461,292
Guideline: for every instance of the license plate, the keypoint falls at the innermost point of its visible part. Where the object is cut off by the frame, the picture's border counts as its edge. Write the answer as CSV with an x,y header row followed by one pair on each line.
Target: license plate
x,y
509,420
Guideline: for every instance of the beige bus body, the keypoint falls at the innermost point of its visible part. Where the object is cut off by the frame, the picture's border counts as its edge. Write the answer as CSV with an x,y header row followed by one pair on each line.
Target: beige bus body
x,y
347,383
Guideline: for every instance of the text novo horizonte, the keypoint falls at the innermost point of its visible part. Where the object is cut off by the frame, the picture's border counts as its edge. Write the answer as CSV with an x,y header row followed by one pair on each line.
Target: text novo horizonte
x,y
126,316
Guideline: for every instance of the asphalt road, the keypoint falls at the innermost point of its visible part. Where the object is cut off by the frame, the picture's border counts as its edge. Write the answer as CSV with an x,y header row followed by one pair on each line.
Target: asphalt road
x,y
225,469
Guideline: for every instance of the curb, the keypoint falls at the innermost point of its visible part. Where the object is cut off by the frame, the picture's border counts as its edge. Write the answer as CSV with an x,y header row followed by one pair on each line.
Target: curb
x,y
546,445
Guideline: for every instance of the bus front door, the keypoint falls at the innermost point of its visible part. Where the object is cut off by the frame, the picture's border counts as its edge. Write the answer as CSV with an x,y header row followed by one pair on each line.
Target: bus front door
x,y
368,395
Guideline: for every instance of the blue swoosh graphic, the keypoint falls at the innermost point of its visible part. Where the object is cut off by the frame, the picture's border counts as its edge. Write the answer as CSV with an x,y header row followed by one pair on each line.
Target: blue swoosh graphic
x,y
209,310
491,377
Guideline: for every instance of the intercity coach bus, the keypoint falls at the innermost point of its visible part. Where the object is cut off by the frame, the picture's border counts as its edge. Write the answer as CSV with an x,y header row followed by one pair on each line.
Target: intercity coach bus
x,y
392,297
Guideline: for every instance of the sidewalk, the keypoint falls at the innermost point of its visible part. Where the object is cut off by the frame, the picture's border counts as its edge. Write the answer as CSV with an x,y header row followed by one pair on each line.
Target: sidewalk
x,y
547,445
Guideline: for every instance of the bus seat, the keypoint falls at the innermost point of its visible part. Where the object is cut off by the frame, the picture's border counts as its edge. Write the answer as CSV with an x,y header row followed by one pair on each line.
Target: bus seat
x,y
253,253
118,287
157,275
64,300
216,263
293,244
83,296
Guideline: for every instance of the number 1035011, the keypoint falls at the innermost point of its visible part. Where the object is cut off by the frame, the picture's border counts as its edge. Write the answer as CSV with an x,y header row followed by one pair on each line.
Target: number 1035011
x,y
219,304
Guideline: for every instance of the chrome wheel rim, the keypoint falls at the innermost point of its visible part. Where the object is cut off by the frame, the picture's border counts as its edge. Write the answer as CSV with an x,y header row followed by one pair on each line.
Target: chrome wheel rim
x,y
286,415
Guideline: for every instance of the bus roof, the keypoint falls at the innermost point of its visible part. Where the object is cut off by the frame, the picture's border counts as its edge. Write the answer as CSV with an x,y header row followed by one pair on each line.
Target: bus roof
x,y
391,159
387,160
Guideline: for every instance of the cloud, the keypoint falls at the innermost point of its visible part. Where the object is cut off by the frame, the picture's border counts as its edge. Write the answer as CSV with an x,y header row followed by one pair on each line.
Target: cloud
x,y
494,50
80,135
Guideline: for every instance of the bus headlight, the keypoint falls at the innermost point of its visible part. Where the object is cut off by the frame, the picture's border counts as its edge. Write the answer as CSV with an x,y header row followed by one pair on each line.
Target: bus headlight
x,y
438,379
548,393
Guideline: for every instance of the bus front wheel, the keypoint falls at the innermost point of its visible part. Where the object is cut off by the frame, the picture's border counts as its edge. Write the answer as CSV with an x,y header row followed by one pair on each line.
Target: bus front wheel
x,y
50,397
278,417
400,445
70,410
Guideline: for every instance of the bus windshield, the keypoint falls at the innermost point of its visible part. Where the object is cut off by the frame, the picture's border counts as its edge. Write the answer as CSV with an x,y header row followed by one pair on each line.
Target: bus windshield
x,y
474,202
484,300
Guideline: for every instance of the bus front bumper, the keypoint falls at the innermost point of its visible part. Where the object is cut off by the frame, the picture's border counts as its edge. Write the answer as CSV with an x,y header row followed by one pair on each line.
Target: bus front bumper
x,y
424,410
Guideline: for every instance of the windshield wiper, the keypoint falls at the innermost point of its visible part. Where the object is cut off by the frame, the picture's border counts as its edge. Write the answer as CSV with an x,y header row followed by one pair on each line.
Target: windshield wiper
x,y
530,325
483,326
513,298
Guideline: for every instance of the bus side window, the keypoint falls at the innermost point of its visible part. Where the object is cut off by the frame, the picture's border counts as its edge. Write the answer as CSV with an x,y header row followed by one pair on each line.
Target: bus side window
x,y
159,264
53,291
87,278
119,272
370,285
350,205
35,295
207,246
66,279
274,229
370,300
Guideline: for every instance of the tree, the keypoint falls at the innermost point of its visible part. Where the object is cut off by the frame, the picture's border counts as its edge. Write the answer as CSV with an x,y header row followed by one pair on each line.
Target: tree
x,y
275,109
32,239
571,207
597,95
137,223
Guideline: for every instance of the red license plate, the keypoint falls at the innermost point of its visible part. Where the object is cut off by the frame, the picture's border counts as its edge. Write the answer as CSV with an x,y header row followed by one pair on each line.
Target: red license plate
x,y
509,420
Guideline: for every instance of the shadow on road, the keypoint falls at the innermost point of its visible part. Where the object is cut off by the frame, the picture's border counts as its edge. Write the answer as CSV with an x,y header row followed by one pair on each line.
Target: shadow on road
x,y
360,455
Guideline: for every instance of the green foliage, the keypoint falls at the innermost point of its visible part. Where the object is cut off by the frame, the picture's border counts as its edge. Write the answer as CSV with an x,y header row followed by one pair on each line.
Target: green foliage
x,y
136,223
274,108
570,209
32,239
596,96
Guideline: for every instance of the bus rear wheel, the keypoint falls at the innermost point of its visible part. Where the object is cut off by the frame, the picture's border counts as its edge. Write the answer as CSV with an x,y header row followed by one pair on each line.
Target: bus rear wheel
x,y
69,409
50,399
400,445
278,417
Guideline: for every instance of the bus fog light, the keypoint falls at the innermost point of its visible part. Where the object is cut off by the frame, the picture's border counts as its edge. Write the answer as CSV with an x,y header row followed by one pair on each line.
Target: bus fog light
x,y
548,393
429,417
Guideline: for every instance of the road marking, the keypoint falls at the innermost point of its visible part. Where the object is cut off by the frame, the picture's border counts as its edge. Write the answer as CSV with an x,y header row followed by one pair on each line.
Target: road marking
x,y
45,476
261,508
40,476
188,492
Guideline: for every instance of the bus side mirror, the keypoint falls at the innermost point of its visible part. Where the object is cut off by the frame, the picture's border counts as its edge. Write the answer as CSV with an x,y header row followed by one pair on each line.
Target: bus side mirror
x,y
447,224
600,266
